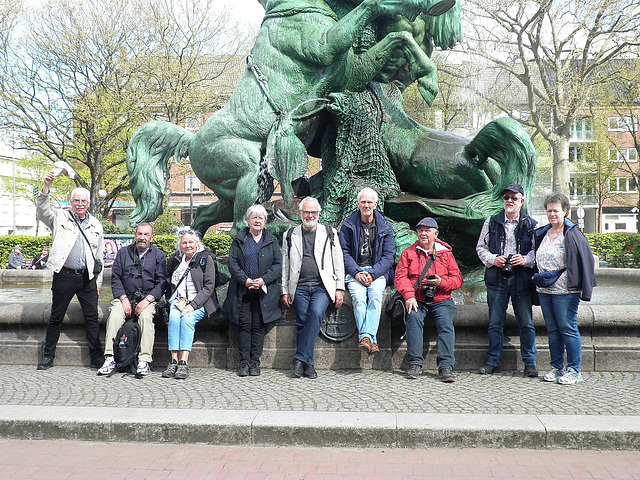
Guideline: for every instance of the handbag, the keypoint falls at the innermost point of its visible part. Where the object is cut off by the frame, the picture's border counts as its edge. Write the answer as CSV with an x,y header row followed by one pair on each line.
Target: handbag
x,y
546,279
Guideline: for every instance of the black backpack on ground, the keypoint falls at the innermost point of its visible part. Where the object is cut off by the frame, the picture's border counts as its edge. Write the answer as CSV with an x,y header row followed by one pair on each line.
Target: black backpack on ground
x,y
126,347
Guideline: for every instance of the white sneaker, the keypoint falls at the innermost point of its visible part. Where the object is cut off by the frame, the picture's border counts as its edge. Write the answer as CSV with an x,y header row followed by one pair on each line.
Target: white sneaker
x,y
108,366
571,377
553,375
143,368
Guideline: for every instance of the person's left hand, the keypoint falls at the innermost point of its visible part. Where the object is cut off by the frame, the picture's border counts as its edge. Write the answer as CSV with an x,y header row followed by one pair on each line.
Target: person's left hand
x,y
365,278
141,306
517,260
187,309
339,298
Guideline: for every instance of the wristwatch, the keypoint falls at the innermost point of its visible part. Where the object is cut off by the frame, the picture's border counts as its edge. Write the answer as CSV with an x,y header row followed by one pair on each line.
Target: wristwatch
x,y
149,298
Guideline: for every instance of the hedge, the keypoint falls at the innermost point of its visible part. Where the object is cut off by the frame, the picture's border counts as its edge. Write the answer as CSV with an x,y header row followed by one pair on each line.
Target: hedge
x,y
621,250
32,246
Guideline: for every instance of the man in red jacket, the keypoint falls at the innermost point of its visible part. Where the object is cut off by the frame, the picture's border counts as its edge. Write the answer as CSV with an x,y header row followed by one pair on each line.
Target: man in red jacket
x,y
428,291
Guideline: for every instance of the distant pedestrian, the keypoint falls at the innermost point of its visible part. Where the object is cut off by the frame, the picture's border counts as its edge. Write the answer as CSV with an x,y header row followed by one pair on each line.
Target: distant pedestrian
x,y
40,260
563,252
15,258
77,241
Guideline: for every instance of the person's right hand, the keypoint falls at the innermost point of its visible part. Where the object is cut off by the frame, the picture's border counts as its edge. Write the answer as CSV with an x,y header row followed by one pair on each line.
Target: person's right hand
x,y
411,304
286,300
48,180
126,306
500,261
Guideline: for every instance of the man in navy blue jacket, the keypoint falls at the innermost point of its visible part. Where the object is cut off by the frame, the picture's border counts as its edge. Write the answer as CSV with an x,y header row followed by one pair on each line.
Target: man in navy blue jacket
x,y
138,280
369,253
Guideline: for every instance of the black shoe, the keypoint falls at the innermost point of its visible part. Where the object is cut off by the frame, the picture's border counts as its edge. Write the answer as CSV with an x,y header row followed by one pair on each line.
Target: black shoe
x,y
446,375
489,369
414,371
530,371
97,363
254,369
310,372
298,368
46,363
243,371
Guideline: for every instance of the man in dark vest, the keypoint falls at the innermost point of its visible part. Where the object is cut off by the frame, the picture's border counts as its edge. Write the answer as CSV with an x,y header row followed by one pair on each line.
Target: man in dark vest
x,y
505,247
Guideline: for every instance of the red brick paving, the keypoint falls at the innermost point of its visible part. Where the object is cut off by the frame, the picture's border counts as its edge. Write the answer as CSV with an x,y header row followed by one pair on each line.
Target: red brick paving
x,y
72,460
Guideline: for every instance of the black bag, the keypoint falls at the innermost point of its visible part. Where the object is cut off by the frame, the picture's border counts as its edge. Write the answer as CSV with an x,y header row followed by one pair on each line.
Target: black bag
x,y
97,267
396,308
161,316
126,347
546,279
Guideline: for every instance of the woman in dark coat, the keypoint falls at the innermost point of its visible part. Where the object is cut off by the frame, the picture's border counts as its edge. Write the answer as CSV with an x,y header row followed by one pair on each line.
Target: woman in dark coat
x,y
255,264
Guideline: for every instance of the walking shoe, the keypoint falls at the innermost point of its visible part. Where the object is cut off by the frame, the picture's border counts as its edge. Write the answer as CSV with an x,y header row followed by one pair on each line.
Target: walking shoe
x,y
309,371
108,366
365,344
243,370
143,368
374,348
530,371
414,371
553,375
489,369
571,377
298,368
47,362
182,371
446,375
254,369
96,363
170,371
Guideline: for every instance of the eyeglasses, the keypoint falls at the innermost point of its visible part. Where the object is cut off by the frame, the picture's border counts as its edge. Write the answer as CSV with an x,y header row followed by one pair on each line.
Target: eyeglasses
x,y
310,213
79,201
509,197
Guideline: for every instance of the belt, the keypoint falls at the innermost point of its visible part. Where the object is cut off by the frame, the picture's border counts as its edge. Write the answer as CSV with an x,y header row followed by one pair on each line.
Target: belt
x,y
75,271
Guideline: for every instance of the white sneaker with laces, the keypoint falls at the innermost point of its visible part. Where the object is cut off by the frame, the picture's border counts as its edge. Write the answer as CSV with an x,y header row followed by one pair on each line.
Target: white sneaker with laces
x,y
553,375
571,377
143,368
108,366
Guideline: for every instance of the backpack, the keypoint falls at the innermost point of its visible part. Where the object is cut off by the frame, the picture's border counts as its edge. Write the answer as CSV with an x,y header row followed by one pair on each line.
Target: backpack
x,y
126,346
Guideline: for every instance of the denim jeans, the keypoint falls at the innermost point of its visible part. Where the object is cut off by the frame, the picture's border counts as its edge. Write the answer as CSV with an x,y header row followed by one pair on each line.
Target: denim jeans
x,y
367,305
182,329
498,301
310,303
250,329
442,313
561,317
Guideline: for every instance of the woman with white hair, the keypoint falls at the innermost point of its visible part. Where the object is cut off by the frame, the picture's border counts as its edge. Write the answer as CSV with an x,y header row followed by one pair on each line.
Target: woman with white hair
x,y
255,264
191,275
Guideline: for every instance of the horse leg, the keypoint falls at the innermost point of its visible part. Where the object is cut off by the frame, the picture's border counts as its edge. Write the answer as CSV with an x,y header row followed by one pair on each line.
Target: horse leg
x,y
422,70
216,212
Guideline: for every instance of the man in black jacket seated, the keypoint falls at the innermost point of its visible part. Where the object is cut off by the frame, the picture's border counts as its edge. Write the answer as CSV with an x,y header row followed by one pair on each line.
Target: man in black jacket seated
x,y
138,281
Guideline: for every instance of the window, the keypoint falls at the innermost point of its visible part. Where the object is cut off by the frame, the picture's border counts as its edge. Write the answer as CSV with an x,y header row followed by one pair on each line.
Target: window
x,y
622,154
191,183
579,186
581,130
622,124
622,185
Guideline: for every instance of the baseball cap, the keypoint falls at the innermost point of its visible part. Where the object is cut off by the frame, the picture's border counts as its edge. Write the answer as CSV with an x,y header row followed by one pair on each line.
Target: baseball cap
x,y
17,247
515,188
427,222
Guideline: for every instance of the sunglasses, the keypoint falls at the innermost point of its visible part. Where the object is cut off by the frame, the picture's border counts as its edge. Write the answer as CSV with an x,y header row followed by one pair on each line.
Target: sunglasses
x,y
509,197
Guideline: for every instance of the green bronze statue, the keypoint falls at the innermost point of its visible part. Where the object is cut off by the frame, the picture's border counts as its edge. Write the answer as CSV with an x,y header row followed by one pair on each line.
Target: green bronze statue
x,y
324,79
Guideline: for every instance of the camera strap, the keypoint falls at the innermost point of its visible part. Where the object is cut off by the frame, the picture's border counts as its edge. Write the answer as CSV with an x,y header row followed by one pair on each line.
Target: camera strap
x,y
85,237
430,260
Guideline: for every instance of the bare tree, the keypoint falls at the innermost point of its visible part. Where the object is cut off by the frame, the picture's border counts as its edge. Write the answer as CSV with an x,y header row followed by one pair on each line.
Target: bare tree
x,y
543,59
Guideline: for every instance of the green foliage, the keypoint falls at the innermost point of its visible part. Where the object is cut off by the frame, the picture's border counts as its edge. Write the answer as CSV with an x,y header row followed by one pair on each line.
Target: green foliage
x,y
112,228
167,223
31,246
219,244
621,250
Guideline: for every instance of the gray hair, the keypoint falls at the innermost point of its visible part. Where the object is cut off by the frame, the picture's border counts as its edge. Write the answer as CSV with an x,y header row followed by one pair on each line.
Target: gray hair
x,y
368,191
256,209
80,192
146,224
307,200
189,231
557,197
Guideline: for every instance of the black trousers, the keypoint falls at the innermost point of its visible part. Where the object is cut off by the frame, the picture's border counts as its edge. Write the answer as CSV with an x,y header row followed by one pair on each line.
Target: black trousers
x,y
65,285
250,329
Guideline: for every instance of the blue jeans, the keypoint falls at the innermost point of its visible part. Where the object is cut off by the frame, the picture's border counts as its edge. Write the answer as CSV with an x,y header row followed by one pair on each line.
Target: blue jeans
x,y
367,305
442,313
561,317
498,301
181,329
310,303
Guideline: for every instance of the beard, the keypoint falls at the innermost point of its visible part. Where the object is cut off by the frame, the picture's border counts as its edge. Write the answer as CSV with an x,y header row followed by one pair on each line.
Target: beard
x,y
309,224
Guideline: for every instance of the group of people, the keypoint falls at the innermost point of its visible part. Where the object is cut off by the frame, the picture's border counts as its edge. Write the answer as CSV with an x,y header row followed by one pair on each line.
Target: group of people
x,y
512,249
16,259
311,271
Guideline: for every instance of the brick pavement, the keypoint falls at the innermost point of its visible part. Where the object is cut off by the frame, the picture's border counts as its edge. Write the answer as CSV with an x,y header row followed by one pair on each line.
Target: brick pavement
x,y
334,391
73,460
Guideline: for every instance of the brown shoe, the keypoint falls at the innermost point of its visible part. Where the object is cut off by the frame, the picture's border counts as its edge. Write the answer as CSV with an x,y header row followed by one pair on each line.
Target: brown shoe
x,y
374,348
365,344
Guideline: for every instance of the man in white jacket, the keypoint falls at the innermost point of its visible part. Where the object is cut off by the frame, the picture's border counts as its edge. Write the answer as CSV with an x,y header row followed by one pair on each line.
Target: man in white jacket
x,y
312,276
73,261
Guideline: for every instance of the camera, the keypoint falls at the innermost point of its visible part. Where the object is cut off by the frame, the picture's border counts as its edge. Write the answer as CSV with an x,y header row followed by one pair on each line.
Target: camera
x,y
429,292
508,269
136,298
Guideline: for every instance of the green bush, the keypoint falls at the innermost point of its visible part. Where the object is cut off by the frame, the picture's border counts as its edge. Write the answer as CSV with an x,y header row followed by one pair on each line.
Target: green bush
x,y
219,244
620,250
31,246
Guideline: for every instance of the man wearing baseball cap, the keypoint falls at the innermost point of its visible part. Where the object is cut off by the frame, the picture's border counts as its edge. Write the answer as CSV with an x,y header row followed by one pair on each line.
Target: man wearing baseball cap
x,y
426,275
15,258
505,246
